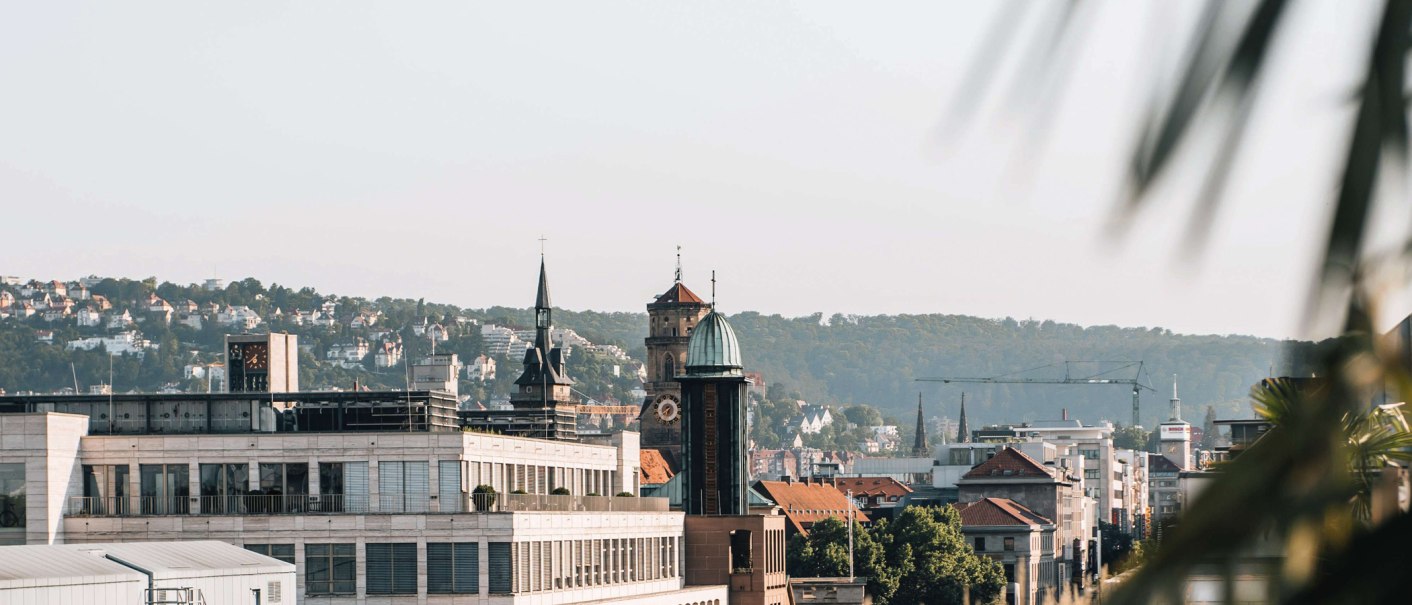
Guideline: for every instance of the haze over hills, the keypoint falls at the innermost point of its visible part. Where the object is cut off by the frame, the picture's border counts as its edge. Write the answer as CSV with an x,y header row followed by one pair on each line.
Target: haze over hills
x,y
833,360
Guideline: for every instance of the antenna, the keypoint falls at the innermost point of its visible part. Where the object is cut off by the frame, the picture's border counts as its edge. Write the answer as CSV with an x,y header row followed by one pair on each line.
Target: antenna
x,y
678,263
713,289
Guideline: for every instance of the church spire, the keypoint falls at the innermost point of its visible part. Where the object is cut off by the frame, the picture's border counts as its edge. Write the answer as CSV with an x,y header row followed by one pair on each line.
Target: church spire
x,y
678,263
963,432
919,443
542,311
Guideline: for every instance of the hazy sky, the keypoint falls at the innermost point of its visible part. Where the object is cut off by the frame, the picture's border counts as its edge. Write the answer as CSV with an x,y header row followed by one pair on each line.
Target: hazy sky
x,y
421,149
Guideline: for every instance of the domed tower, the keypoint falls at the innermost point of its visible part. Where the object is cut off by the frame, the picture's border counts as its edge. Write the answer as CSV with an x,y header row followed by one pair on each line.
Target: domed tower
x,y
671,319
713,421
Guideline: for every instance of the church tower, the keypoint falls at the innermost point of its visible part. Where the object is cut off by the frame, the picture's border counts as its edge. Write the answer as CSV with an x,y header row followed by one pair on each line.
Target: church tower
x,y
713,424
920,449
543,402
671,319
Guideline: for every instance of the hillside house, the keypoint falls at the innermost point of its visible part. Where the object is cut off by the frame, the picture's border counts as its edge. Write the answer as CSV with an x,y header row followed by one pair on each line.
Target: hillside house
x,y
101,302
814,418
118,344
191,320
54,314
57,288
348,354
481,369
89,317
118,321
155,304
80,292
388,355
7,300
46,336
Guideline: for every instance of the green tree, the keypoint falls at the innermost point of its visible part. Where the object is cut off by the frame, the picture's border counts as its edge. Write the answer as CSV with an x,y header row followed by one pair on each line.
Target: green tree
x,y
1130,438
940,566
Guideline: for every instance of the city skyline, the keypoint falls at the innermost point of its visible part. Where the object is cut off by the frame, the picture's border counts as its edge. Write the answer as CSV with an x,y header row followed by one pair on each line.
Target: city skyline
x,y
810,127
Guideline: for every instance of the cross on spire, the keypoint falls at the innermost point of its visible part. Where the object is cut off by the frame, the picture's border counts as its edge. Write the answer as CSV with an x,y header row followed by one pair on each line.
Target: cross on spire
x,y
678,263
713,289
541,245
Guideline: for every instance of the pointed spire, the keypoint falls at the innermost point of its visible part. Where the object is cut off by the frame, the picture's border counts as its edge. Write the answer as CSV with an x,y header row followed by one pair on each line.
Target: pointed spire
x,y
919,444
963,432
541,300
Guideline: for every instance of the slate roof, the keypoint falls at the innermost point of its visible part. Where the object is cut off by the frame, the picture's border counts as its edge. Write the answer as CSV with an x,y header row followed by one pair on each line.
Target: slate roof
x,y
679,294
656,466
1009,462
805,503
998,511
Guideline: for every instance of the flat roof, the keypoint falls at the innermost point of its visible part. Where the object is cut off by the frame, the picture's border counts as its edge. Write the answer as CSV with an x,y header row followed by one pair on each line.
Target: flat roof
x,y
170,560
47,565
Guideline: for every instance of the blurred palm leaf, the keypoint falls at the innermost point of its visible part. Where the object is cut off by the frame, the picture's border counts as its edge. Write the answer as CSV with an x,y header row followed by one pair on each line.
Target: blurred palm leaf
x,y
1301,488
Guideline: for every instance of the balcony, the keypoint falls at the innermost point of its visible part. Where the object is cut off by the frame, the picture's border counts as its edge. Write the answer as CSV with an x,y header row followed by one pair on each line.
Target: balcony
x,y
301,504
518,503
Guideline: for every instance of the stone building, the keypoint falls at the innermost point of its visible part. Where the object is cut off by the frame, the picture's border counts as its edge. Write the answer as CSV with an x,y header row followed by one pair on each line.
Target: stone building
x,y
672,317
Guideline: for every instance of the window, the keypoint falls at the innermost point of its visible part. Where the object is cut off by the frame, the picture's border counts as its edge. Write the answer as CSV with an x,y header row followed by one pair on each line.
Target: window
x,y
392,568
164,489
1009,543
105,489
330,569
1091,473
669,367
1089,454
1009,573
980,544
283,552
404,486
283,487
502,567
223,487
12,503
331,487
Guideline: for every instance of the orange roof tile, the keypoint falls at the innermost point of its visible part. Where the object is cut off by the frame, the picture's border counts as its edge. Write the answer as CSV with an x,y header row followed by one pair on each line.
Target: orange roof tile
x,y
1009,462
806,503
999,511
873,486
655,468
679,293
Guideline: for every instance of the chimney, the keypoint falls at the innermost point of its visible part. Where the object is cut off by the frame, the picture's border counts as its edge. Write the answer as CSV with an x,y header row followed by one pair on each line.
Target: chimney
x,y
1065,414
789,479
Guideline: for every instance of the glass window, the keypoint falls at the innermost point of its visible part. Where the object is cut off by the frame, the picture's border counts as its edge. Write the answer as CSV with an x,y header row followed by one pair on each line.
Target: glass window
x,y
1009,543
283,552
980,544
453,568
392,568
224,487
284,487
330,569
502,567
12,503
164,489
105,489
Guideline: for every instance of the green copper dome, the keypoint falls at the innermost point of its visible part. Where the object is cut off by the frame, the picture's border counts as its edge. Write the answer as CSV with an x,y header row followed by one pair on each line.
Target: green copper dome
x,y
713,349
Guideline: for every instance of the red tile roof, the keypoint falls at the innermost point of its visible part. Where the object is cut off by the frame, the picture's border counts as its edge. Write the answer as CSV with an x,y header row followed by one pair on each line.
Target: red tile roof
x,y
999,511
805,503
656,469
873,486
679,293
1009,462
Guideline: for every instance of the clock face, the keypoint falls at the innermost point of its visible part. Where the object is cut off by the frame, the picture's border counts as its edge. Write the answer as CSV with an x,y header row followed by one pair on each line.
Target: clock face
x,y
257,357
668,409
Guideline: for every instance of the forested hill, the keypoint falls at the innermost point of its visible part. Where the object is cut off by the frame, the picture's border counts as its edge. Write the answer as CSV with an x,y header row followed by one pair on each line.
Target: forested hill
x,y
837,360
875,359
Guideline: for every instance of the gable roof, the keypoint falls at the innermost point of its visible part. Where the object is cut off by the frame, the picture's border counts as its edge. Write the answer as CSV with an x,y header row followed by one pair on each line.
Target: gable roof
x,y
998,511
805,503
873,486
655,467
679,294
1009,462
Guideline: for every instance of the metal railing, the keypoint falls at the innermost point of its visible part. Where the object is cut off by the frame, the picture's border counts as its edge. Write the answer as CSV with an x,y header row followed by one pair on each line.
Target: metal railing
x,y
296,504
510,503
234,504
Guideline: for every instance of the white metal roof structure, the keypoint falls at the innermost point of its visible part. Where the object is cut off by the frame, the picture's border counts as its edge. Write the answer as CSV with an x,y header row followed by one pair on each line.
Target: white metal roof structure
x,y
31,566
175,560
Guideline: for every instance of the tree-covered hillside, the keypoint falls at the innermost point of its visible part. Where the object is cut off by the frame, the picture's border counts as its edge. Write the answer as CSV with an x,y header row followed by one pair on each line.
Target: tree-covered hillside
x,y
838,360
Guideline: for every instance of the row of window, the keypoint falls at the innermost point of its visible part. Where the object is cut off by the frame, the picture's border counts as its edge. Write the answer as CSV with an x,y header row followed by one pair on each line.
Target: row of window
x,y
454,567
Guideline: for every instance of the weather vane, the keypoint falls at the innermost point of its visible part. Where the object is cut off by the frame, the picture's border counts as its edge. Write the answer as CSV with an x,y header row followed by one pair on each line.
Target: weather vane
x,y
541,245
678,263
713,289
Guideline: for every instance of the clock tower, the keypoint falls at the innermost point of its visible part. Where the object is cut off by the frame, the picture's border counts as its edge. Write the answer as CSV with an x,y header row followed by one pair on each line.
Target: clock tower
x,y
671,319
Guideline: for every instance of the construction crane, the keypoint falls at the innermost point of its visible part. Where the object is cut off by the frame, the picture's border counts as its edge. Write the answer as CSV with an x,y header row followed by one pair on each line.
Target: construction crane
x,y
1070,377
